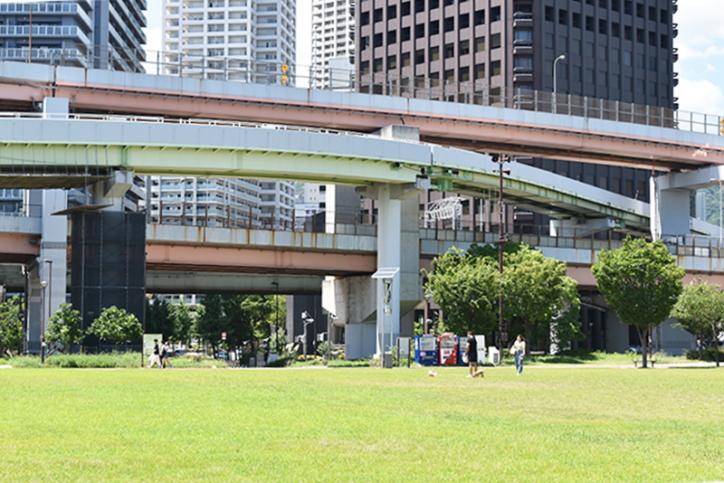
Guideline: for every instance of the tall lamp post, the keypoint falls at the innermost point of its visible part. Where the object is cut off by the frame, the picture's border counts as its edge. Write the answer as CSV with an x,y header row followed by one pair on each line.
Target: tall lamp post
x,y
43,286
502,330
50,286
560,58
276,316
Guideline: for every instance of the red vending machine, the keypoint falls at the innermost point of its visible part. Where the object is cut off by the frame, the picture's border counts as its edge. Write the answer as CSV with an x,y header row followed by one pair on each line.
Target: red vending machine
x,y
448,347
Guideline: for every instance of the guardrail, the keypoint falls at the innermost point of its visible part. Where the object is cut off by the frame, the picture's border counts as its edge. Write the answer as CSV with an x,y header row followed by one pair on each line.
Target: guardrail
x,y
242,69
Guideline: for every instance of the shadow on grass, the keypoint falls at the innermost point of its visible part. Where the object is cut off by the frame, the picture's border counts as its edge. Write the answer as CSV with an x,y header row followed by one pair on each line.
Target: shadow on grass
x,y
568,357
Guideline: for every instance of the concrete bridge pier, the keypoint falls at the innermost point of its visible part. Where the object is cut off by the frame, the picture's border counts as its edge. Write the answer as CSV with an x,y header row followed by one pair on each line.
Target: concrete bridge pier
x,y
670,208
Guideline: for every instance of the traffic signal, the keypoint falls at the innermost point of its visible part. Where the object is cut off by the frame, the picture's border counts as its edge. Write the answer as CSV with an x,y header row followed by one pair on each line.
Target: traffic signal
x,y
721,126
284,78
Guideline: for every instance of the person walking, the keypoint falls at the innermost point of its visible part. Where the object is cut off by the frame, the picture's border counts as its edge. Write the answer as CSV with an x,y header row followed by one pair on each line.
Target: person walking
x,y
155,359
165,355
518,350
471,352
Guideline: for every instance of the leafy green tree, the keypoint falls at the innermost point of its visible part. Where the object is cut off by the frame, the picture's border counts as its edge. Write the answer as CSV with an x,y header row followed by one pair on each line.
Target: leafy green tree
x,y
11,326
466,287
538,293
158,318
65,327
182,322
237,324
211,321
116,326
642,282
700,311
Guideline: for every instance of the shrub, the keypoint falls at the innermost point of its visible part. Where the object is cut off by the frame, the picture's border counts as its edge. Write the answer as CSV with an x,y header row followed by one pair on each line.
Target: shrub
x,y
116,326
708,355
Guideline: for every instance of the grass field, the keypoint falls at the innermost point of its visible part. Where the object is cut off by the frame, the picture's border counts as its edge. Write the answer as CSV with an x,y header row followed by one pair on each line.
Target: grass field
x,y
552,424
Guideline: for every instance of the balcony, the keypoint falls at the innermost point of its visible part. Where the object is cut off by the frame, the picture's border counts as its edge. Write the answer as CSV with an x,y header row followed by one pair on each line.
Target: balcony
x,y
44,31
46,55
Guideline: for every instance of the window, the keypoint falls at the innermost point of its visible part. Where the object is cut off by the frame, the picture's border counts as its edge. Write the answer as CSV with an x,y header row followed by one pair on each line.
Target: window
x,y
616,5
479,71
602,26
479,17
377,16
616,29
420,56
495,68
589,23
523,35
563,17
664,41
434,27
377,65
364,68
464,21
664,16
419,6
364,18
640,35
628,32
391,13
377,42
434,53
495,14
405,59
449,50
652,14
495,41
420,30
523,62
391,64
549,14
449,75
449,24
405,7
464,47
391,37
576,20
464,74
479,44
434,4
364,43
626,58
628,7
405,34
640,10
652,39
603,3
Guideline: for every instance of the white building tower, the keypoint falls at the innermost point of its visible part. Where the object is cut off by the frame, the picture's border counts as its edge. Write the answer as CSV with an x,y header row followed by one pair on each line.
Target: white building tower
x,y
333,40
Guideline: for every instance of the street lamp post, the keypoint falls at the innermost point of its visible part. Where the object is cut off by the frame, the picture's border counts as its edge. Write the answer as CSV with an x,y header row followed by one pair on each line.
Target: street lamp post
x,y
502,331
50,286
43,285
560,58
276,316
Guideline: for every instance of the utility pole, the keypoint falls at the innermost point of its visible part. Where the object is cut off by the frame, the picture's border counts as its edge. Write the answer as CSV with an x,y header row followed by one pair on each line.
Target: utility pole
x,y
502,329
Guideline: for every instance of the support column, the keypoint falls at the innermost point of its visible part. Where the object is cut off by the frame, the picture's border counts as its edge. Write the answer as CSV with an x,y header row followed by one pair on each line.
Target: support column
x,y
669,210
51,266
388,256
575,228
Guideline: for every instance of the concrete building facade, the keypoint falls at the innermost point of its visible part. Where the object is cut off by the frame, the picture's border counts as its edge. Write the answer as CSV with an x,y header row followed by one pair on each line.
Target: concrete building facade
x,y
333,39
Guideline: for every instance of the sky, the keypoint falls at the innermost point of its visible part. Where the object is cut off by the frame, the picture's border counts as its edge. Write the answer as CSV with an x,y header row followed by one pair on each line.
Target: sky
x,y
700,43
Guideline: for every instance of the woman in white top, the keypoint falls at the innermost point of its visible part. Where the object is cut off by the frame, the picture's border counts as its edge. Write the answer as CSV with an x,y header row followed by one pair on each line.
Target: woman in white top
x,y
518,350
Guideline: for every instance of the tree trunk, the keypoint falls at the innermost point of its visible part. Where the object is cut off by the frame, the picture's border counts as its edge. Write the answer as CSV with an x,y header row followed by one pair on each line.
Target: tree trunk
x,y
644,337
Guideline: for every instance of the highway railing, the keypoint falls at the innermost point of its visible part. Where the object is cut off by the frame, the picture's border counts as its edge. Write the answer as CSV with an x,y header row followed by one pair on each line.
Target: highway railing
x,y
241,69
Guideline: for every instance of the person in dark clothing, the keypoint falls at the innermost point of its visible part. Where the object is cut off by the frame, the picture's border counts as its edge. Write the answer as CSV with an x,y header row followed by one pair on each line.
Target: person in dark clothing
x,y
156,356
471,352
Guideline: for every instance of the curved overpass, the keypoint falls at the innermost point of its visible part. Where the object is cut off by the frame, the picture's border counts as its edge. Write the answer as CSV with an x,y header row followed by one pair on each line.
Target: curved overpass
x,y
481,128
86,145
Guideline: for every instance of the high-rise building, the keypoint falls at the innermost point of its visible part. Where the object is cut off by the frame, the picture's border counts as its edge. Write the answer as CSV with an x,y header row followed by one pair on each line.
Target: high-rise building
x,y
471,50
86,33
236,40
333,37
229,39
204,201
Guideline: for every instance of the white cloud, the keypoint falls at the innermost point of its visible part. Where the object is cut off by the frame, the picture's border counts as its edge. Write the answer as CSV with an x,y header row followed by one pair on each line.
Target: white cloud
x,y
710,68
700,96
701,29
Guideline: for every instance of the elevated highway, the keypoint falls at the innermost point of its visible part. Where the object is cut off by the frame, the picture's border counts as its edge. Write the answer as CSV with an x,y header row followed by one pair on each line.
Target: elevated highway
x,y
188,259
479,128
47,151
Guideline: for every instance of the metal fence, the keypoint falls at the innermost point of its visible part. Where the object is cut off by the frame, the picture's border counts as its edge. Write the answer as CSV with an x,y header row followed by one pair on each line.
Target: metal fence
x,y
244,69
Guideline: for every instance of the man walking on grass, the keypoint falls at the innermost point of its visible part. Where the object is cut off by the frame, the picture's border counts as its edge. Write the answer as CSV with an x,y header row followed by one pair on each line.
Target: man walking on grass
x,y
471,351
155,358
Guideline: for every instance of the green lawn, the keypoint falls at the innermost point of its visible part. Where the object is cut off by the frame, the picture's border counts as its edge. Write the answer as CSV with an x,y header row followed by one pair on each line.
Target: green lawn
x,y
361,424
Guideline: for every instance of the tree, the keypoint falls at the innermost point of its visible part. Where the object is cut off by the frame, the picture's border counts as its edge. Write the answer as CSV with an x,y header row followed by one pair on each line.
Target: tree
x,y
642,282
65,327
181,321
538,293
700,311
11,326
158,318
116,326
466,288
211,321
